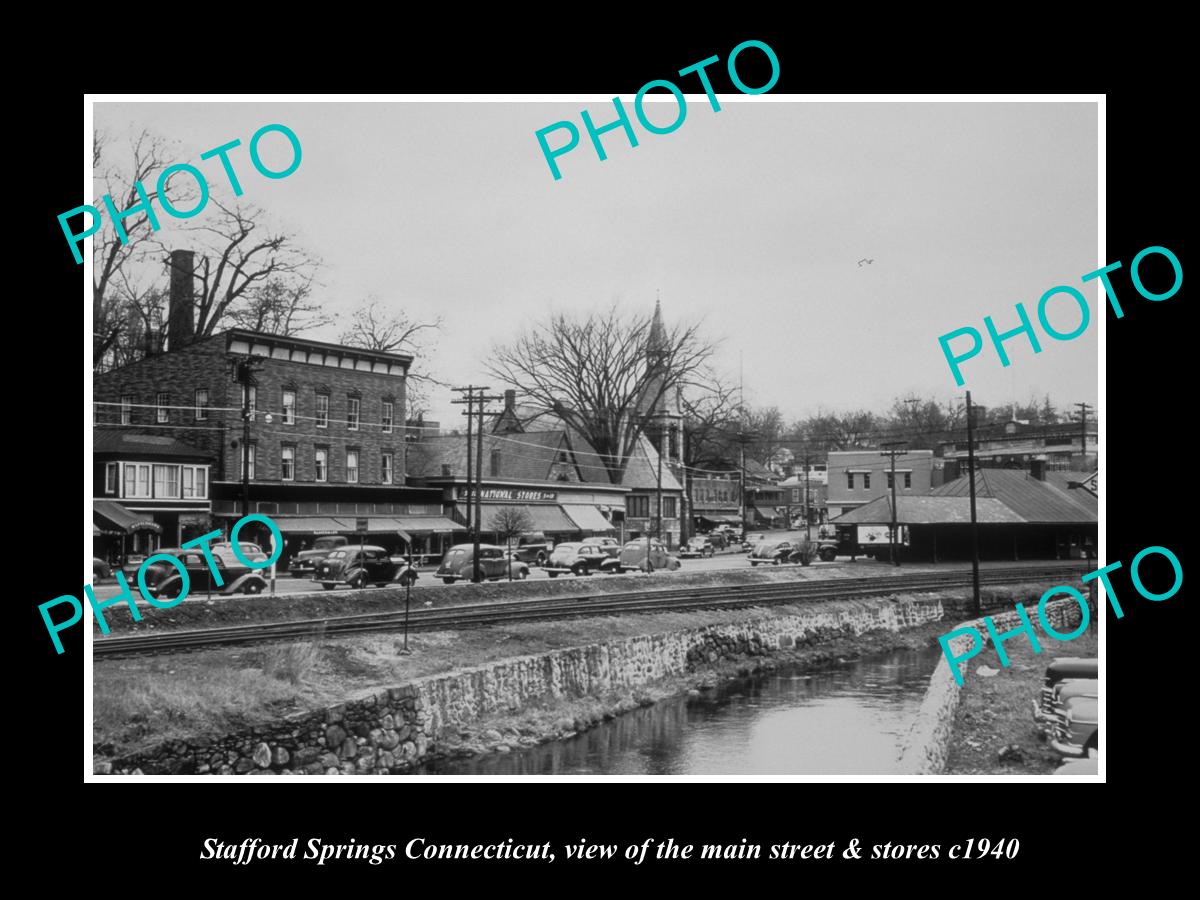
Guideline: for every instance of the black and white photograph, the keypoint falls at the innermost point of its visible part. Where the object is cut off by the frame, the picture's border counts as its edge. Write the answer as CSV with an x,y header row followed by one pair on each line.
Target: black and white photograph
x,y
530,438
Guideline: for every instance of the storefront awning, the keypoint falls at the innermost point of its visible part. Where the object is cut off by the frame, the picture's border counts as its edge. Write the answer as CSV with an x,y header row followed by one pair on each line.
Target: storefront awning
x,y
764,512
427,525
542,518
110,516
588,518
311,524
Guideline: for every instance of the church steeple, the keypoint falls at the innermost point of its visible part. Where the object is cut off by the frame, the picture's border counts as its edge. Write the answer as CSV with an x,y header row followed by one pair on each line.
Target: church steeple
x,y
657,341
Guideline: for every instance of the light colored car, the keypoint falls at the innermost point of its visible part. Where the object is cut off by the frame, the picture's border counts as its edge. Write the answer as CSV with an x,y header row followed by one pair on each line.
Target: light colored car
x,y
1068,708
697,547
642,555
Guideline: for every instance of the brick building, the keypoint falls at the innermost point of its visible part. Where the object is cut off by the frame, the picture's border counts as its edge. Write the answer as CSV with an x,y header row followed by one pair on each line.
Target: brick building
x,y
326,435
856,477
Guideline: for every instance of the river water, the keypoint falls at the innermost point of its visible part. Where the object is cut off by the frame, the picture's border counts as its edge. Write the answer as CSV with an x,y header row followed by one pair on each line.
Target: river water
x,y
847,720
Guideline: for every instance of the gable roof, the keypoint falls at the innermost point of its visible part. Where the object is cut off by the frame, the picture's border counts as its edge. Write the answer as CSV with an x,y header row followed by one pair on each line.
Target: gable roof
x,y
526,456
1031,499
930,511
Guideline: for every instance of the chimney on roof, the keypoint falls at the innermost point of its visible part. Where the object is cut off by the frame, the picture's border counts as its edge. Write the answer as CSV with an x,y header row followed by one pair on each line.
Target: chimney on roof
x,y
1037,469
446,470
510,400
181,311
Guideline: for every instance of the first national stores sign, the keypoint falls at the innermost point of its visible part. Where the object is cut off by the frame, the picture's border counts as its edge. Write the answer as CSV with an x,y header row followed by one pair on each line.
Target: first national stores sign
x,y
521,495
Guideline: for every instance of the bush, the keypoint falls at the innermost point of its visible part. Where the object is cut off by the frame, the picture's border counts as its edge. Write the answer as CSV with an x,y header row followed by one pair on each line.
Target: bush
x,y
292,662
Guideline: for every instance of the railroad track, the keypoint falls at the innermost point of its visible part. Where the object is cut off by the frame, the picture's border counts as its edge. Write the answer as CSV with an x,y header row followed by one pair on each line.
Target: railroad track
x,y
625,602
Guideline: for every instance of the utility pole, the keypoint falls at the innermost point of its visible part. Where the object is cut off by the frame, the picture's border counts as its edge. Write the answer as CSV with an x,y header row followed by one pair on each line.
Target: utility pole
x,y
481,399
974,521
244,371
474,400
469,400
892,445
742,437
807,515
1083,411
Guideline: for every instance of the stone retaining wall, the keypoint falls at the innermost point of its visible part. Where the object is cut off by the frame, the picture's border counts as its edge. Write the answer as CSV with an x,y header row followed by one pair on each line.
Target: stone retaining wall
x,y
927,743
395,728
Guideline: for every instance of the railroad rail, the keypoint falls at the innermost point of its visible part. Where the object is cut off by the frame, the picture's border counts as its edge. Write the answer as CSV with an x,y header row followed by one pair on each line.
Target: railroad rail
x,y
618,603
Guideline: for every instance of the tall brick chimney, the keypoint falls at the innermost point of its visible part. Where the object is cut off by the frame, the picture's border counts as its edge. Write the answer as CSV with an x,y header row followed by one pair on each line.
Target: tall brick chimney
x,y
181,311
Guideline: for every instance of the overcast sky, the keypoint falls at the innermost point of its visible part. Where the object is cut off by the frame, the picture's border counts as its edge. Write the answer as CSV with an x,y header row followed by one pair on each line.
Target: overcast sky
x,y
753,219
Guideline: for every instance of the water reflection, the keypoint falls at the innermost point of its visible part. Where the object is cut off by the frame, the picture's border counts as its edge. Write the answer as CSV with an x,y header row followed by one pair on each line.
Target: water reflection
x,y
842,721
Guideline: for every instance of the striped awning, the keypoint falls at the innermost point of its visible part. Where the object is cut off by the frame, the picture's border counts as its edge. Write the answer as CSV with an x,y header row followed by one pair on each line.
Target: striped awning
x,y
110,516
588,518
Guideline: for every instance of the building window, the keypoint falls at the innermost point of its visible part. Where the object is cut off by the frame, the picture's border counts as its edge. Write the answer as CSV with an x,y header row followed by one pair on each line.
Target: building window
x,y
201,404
639,507
289,407
166,482
850,481
386,418
287,463
908,479
250,398
889,480
668,507
352,466
162,413
321,459
248,454
322,410
386,469
111,478
126,409
866,480
137,480
494,463
195,482
352,409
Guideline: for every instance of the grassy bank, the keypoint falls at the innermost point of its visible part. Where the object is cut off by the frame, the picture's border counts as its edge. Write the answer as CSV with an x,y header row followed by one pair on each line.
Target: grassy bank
x,y
994,711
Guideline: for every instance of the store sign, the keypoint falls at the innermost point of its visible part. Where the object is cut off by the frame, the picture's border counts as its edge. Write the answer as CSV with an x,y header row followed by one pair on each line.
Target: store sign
x,y
520,495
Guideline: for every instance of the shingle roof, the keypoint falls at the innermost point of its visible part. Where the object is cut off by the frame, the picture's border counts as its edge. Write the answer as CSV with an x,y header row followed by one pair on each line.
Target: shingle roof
x,y
930,511
1031,499
525,456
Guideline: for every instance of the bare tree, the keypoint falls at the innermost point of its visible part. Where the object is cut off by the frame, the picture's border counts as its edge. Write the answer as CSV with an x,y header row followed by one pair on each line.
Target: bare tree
x,y
375,327
509,522
592,373
282,307
239,255
117,282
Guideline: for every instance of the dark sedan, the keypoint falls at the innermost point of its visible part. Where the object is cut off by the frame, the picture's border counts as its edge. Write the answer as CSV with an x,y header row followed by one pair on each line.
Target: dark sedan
x,y
163,578
358,567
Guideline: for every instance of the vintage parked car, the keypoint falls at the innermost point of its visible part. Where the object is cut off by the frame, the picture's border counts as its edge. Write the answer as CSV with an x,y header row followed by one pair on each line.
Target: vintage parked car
x,y
250,551
534,547
697,547
304,563
634,557
609,545
100,569
494,564
164,581
1068,709
719,539
358,566
752,540
578,558
775,552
